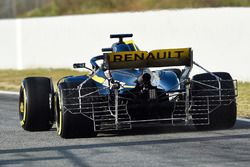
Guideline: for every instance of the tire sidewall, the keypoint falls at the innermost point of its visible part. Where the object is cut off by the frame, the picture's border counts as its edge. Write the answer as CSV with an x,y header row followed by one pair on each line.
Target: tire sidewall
x,y
36,93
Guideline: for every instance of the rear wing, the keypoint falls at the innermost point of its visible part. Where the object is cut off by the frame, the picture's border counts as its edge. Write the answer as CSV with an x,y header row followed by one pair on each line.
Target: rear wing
x,y
155,58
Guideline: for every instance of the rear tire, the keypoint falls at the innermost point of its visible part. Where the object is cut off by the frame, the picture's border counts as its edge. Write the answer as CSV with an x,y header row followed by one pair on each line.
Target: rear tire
x,y
223,117
72,125
35,104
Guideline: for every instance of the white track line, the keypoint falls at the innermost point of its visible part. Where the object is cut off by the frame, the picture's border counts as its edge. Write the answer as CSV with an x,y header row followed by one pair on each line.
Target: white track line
x,y
9,92
243,119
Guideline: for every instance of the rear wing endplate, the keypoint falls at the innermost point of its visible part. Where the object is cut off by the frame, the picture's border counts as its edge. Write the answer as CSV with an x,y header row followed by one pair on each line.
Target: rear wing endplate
x,y
155,58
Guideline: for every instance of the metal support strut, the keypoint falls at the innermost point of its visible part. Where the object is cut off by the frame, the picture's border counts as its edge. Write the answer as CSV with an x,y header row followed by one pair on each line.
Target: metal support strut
x,y
116,88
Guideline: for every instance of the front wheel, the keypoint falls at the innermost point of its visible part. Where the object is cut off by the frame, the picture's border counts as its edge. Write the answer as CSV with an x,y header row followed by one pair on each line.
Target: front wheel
x,y
35,104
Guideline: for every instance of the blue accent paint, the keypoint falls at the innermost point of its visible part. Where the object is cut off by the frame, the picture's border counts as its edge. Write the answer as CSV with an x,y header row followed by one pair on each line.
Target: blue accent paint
x,y
94,59
127,76
75,78
83,78
168,80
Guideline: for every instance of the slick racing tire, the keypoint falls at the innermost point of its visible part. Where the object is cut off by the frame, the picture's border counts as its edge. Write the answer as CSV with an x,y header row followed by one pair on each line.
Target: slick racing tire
x,y
69,123
223,115
35,104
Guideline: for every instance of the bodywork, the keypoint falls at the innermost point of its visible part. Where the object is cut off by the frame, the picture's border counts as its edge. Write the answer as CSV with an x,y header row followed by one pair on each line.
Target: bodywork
x,y
126,89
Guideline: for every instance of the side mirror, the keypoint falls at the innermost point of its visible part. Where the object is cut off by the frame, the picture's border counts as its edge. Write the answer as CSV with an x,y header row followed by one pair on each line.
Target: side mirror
x,y
107,49
79,65
82,65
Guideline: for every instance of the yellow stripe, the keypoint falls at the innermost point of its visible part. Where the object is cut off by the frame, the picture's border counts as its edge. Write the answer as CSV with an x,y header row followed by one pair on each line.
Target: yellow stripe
x,y
59,127
21,108
59,130
128,86
98,79
24,105
131,42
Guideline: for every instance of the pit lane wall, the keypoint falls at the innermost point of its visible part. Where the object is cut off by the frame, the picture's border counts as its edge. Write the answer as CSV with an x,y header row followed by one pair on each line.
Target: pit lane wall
x,y
220,37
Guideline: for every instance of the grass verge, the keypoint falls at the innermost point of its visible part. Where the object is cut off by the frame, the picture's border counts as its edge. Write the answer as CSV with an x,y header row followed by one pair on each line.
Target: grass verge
x,y
69,7
243,99
11,80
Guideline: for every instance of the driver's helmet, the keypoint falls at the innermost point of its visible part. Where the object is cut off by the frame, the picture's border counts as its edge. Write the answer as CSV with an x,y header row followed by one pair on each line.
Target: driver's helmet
x,y
124,47
121,48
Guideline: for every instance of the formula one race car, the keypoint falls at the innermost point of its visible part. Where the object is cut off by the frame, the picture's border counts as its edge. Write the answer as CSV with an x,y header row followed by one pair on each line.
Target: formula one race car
x,y
124,89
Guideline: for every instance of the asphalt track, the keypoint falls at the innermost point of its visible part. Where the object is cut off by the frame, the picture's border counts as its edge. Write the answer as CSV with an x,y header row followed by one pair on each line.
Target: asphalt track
x,y
154,146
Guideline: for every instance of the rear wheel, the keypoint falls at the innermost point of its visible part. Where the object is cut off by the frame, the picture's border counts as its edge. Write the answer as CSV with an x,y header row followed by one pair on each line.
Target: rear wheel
x,y
35,104
71,123
223,113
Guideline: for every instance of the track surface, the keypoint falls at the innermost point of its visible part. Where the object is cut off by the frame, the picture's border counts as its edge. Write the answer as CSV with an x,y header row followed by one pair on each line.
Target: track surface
x,y
164,146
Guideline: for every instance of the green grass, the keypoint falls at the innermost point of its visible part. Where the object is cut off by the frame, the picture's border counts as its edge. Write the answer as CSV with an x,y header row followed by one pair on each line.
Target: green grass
x,y
67,7
11,80
243,99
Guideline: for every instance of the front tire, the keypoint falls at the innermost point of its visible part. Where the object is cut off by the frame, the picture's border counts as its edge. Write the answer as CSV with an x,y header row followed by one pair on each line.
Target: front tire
x,y
35,104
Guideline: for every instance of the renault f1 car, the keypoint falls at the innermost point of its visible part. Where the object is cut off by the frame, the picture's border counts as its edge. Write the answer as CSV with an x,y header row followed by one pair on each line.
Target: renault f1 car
x,y
124,88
